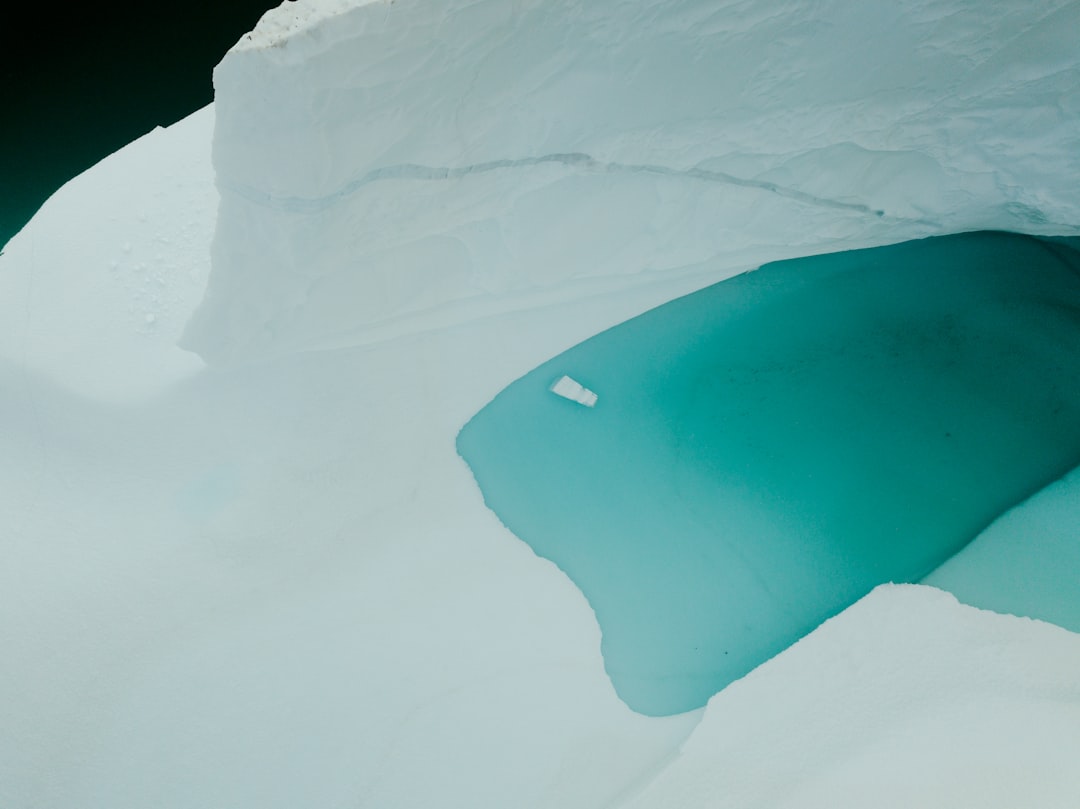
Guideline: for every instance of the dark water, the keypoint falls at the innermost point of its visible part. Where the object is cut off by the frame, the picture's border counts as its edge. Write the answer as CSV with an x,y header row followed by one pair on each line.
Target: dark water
x,y
767,450
80,81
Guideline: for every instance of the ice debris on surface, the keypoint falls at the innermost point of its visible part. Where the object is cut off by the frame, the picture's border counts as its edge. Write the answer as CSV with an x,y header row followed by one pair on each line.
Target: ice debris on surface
x,y
573,390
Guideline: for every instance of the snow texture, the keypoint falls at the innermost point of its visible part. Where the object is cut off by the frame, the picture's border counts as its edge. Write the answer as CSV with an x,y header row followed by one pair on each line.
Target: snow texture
x,y
277,585
99,284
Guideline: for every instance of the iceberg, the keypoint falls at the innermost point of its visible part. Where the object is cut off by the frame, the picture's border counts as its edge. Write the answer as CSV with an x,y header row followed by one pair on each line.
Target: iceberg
x,y
252,570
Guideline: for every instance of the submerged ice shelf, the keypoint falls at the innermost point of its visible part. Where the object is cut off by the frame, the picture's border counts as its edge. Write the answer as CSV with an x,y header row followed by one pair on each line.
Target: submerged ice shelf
x,y
767,450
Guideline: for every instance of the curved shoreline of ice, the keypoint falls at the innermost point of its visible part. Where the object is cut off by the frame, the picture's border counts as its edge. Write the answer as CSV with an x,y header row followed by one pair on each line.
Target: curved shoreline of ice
x,y
906,698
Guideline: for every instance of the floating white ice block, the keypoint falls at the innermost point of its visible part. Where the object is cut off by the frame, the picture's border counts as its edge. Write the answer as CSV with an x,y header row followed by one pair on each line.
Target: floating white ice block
x,y
574,391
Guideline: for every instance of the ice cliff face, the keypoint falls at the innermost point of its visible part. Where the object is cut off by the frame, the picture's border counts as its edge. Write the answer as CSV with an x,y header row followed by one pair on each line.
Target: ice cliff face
x,y
457,151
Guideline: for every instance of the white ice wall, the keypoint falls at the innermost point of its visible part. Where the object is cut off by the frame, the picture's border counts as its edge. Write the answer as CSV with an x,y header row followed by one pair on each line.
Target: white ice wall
x,y
378,161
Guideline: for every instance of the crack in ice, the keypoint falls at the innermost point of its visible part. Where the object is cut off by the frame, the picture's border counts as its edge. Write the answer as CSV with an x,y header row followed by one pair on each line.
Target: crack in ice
x,y
415,171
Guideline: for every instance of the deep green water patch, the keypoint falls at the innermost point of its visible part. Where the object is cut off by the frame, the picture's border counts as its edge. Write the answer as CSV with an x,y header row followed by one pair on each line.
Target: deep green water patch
x,y
765,451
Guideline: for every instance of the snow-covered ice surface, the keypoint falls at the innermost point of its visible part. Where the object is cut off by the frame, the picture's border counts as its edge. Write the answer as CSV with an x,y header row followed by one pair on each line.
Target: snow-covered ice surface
x,y
96,289
280,587
276,585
